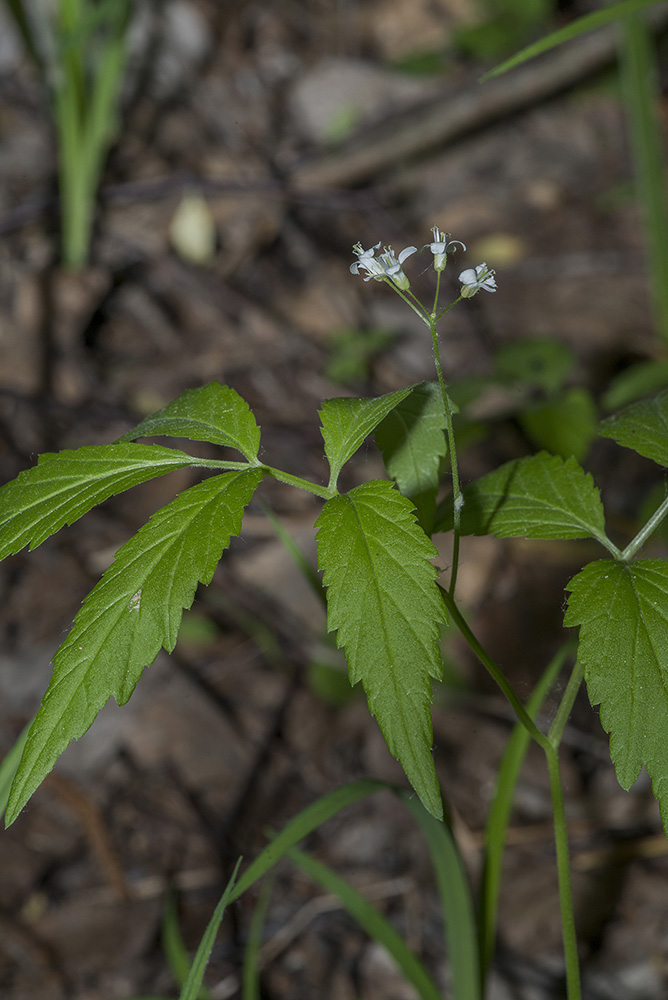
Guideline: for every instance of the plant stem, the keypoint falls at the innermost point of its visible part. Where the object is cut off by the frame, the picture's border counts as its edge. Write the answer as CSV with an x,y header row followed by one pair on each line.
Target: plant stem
x,y
495,673
498,818
566,705
418,311
573,988
644,533
302,484
457,498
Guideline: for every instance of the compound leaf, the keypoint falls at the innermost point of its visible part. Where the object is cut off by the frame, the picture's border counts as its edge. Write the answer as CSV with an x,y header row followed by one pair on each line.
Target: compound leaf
x,y
346,422
412,440
383,600
642,427
64,486
212,413
622,611
134,610
541,496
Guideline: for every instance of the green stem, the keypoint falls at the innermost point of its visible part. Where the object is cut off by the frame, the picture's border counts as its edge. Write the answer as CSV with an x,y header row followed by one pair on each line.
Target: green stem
x,y
573,988
418,311
457,498
436,293
566,705
498,817
447,309
644,533
325,492
495,673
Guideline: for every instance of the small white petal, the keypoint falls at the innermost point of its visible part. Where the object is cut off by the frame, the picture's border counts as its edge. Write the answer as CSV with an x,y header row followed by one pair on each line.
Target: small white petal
x,y
407,253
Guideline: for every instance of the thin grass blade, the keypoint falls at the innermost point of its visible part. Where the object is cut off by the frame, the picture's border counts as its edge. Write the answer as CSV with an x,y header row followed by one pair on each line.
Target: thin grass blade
x,y
298,557
499,814
642,95
597,19
250,984
456,901
174,946
193,983
373,922
304,823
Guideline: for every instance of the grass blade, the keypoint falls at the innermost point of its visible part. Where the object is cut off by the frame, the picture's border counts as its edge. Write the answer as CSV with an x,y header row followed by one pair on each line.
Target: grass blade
x,y
642,95
373,922
250,986
193,983
597,19
304,823
22,19
293,550
456,902
499,814
174,946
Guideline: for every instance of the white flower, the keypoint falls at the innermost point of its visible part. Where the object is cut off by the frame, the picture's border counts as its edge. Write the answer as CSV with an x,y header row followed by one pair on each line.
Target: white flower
x,y
441,247
367,261
386,265
473,280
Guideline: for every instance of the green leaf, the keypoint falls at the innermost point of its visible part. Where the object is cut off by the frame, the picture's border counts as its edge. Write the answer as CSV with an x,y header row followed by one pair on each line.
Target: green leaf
x,y
9,765
565,425
642,427
212,413
643,379
579,27
542,362
372,921
134,610
541,496
63,487
622,611
346,422
383,600
456,901
412,440
192,986
174,946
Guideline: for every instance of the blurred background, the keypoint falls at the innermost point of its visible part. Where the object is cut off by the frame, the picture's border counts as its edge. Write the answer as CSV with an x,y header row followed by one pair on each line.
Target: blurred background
x,y
181,183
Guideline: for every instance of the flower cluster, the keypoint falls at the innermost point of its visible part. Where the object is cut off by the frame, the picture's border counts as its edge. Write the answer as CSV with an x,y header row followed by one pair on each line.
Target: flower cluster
x,y
387,266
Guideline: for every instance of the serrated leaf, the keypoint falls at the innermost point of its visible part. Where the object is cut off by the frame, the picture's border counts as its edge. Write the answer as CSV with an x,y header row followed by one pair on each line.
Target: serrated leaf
x,y
213,413
622,611
642,427
64,486
541,496
412,440
346,422
133,611
384,603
